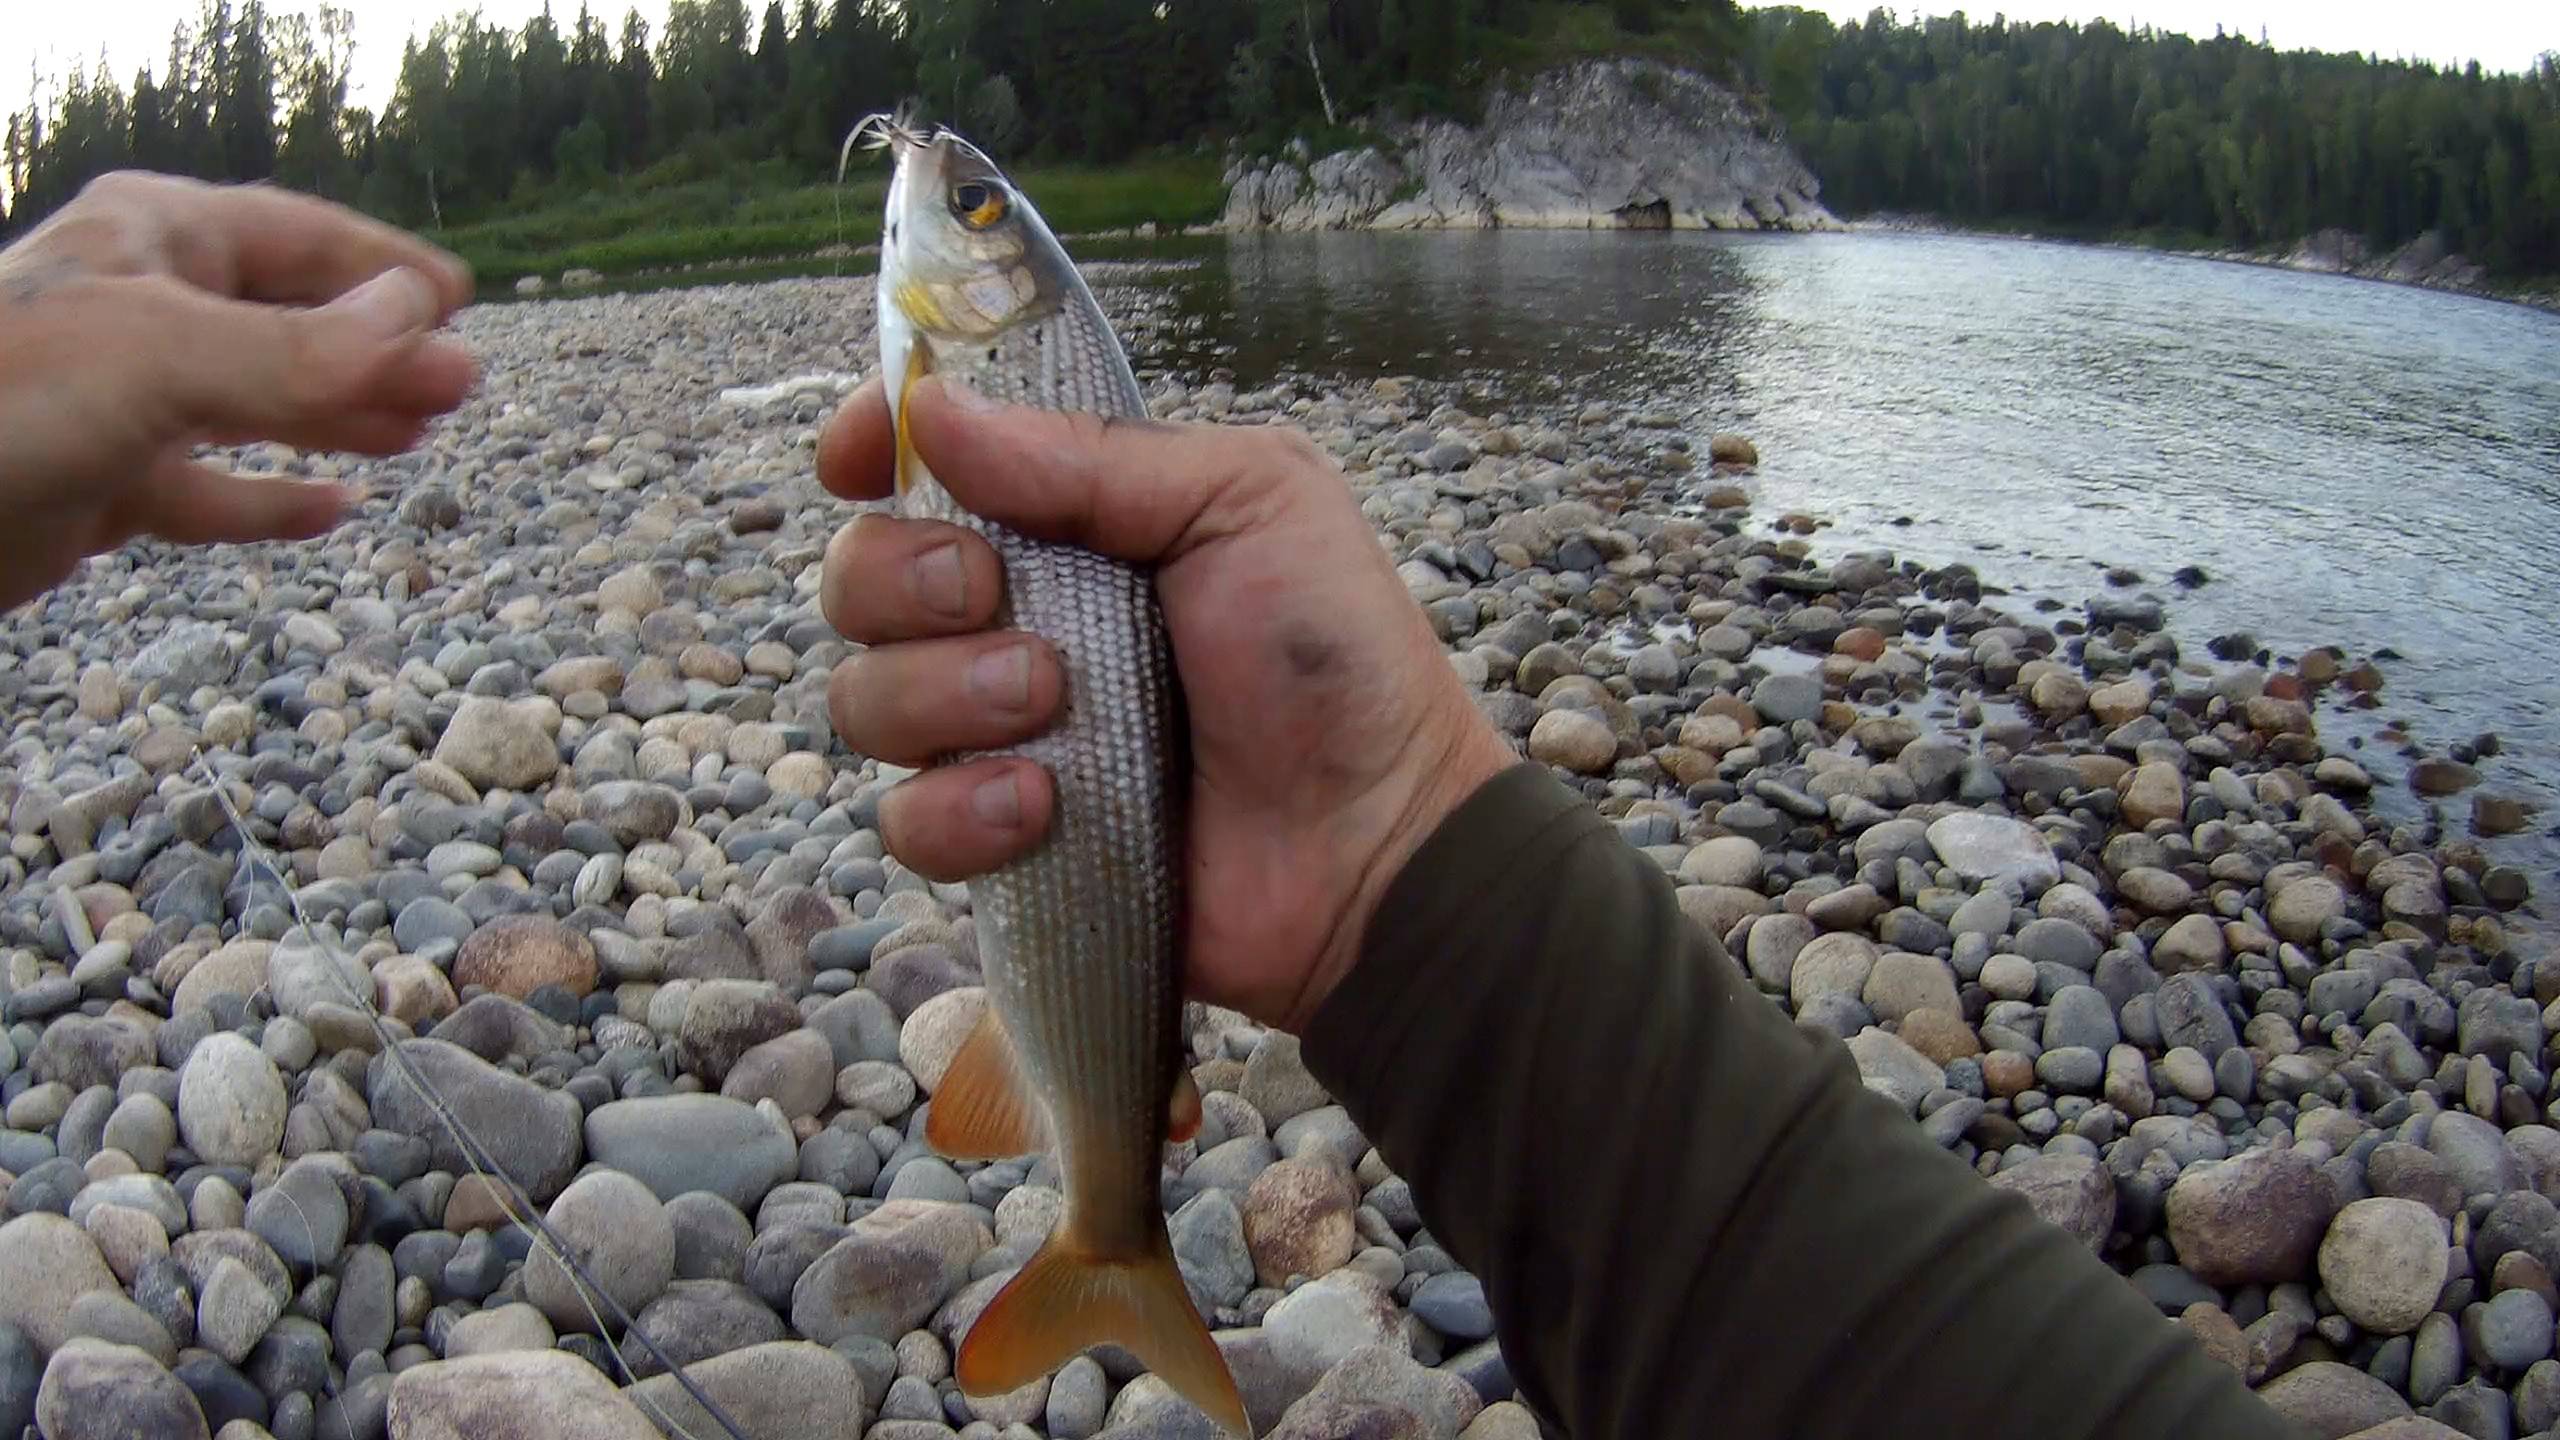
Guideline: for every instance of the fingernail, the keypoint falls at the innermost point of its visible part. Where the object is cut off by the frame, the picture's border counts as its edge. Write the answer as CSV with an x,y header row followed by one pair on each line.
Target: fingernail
x,y
965,396
390,305
1002,677
941,582
997,802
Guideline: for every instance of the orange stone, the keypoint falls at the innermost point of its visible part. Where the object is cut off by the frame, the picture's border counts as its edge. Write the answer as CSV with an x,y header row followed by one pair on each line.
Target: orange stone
x,y
1863,641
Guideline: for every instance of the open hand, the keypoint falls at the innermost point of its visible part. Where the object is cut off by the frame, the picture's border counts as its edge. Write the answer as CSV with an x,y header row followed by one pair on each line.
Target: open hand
x,y
1329,734
153,314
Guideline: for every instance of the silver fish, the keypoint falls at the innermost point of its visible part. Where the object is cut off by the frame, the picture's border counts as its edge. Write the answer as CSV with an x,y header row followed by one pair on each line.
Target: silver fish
x,y
1080,939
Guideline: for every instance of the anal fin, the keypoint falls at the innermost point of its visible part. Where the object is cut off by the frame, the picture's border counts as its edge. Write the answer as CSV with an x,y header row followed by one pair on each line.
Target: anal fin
x,y
1067,1300
982,1110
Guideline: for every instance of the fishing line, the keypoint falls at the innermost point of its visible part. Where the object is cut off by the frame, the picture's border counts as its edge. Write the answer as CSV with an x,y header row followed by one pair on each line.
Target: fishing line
x,y
483,1164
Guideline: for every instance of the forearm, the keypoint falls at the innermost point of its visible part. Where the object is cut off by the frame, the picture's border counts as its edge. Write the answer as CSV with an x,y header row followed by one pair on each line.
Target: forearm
x,y
1690,1216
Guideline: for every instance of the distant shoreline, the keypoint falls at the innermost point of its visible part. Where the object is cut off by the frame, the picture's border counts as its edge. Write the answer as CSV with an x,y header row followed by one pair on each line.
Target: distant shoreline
x,y
2542,294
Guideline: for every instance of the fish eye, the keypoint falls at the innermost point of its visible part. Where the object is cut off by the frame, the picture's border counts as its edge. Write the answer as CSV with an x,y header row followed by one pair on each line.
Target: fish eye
x,y
978,205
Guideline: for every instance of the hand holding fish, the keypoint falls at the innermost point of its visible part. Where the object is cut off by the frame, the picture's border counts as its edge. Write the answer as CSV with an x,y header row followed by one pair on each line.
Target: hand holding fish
x,y
1329,734
153,313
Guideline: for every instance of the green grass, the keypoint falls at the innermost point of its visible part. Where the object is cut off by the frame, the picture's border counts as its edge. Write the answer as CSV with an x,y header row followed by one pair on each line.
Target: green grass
x,y
651,223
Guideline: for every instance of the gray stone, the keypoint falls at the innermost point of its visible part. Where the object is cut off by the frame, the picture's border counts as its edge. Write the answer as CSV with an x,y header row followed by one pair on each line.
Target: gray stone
x,y
2382,1262
2497,1025
697,1319
2058,942
493,743
1077,1394
21,1371
94,1390
82,1051
1981,847
1379,1390
1893,1069
621,1237
1453,1303
2257,1217
711,1236
531,1130
517,1395
2474,1153
302,1216
783,1390
1209,1245
231,1101
679,1143
2513,1330
233,1313
46,1262
1276,1081
2079,1015
890,1275
2192,1015
2435,1361
364,1314
2070,1191
2330,1401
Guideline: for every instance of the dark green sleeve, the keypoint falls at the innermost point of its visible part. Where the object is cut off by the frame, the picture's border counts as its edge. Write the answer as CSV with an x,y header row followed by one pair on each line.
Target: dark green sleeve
x,y
1690,1216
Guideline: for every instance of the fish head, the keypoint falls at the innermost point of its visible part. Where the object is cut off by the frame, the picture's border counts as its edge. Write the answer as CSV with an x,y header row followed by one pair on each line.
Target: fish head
x,y
964,256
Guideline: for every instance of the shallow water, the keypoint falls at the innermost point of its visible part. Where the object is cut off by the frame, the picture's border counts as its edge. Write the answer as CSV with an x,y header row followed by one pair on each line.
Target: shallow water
x,y
2351,463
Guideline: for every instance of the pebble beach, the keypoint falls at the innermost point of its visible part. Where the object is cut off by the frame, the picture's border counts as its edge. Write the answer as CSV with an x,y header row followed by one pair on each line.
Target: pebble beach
x,y
539,743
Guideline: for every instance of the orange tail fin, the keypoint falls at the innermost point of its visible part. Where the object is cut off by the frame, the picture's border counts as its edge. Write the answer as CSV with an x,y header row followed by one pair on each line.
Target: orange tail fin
x,y
1065,1301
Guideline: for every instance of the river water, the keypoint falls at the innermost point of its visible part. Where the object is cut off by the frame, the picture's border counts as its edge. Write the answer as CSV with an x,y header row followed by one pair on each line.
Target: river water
x,y
2351,464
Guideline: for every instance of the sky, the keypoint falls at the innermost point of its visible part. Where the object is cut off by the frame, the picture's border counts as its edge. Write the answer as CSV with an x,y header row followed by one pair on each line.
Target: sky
x,y
2500,34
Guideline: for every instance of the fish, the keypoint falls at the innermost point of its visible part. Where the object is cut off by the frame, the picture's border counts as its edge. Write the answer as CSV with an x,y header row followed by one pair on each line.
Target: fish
x,y
1080,1051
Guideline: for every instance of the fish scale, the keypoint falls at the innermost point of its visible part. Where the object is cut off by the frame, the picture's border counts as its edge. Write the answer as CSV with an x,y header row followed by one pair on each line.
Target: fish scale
x,y
1080,939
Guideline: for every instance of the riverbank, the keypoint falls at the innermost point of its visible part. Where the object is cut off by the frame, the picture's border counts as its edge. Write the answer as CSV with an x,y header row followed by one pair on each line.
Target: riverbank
x,y
656,231
2419,265
541,741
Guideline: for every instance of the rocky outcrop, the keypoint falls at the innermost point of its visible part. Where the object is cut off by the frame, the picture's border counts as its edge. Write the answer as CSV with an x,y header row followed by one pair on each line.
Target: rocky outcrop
x,y
1599,144
2423,261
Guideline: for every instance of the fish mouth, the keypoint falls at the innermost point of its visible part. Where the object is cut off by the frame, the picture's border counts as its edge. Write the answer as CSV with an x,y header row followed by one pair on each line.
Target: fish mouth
x,y
891,130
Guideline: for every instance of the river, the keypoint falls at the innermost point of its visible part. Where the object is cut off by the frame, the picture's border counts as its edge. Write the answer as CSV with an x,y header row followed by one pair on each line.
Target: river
x,y
2353,464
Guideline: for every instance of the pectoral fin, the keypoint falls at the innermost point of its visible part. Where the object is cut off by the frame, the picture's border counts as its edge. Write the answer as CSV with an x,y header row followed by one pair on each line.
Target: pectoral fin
x,y
1067,1299
982,1110
1184,1111
908,466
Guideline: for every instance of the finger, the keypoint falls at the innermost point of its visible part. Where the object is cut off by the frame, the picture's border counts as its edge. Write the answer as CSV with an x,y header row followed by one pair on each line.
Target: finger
x,y
1139,489
193,504
965,820
258,242
888,579
858,448
231,366
910,703
429,382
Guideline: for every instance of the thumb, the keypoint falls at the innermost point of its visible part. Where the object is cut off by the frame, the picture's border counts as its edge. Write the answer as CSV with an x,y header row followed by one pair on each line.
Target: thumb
x,y
234,366
1137,489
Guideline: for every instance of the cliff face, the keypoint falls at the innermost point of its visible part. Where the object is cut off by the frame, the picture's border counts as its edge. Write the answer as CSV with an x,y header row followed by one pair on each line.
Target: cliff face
x,y
1593,145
